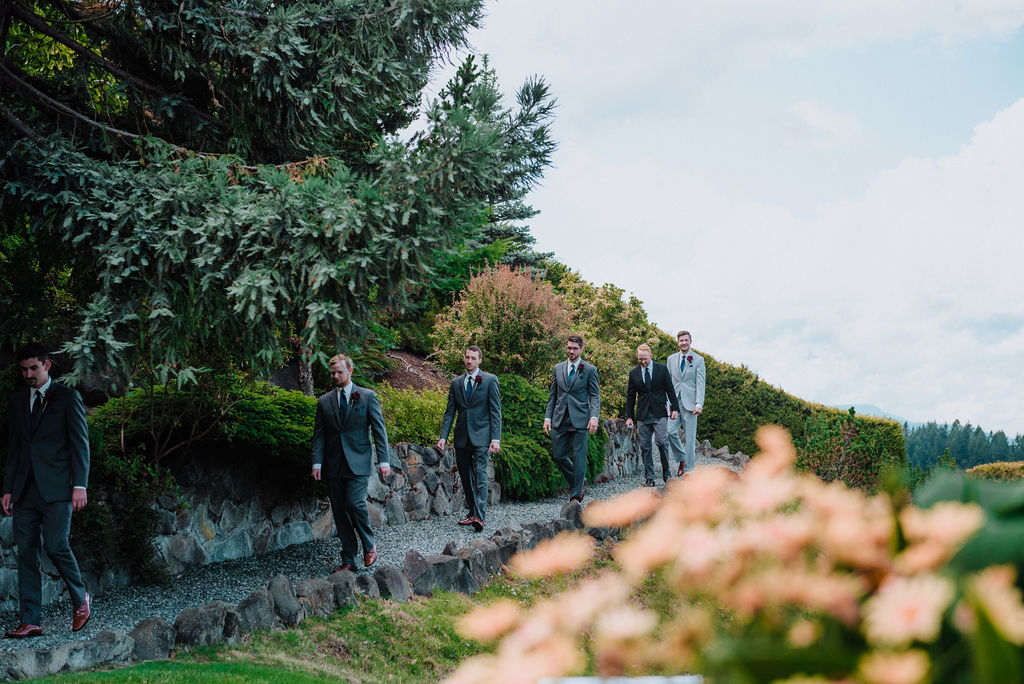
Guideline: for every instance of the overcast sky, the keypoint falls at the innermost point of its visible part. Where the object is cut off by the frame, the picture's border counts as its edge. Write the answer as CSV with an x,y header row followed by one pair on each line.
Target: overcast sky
x,y
831,194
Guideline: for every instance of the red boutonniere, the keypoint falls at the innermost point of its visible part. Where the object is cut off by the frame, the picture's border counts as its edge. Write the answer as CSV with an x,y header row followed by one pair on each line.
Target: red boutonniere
x,y
354,398
690,358
580,366
477,379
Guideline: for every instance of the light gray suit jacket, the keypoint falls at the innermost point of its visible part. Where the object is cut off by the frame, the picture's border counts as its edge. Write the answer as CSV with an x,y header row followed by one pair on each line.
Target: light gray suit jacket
x,y
478,419
688,383
55,447
579,400
334,436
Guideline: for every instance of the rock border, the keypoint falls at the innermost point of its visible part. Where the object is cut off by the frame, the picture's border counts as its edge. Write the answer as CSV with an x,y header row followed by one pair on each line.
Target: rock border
x,y
282,605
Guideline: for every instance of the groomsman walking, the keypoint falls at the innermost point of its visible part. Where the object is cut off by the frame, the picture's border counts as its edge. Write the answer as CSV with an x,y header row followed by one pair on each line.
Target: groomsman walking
x,y
474,405
648,390
574,403
44,482
686,368
345,418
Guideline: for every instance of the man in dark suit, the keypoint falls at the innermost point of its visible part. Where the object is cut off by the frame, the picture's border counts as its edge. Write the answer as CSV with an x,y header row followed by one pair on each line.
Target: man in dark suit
x,y
345,418
648,390
574,403
45,481
475,399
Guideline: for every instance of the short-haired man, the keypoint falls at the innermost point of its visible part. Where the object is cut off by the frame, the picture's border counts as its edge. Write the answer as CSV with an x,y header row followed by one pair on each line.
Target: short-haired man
x,y
45,481
574,403
346,417
648,389
474,405
688,376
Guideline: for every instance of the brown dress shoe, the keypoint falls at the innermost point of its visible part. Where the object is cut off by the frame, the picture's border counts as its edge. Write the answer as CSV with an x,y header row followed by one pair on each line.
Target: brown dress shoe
x,y
81,615
24,630
468,520
344,566
478,524
370,558
682,469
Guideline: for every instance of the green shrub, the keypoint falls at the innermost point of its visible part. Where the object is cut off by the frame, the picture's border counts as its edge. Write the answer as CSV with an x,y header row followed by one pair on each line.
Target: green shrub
x,y
595,454
841,446
412,415
1010,470
517,321
524,468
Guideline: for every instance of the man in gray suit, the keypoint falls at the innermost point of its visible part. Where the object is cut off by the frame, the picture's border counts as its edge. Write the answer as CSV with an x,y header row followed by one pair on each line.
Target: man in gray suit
x,y
688,373
475,399
45,481
345,418
574,403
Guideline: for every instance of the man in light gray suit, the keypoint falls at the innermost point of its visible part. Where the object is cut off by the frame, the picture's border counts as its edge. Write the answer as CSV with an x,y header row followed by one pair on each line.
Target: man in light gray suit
x,y
345,418
686,368
44,482
574,403
475,398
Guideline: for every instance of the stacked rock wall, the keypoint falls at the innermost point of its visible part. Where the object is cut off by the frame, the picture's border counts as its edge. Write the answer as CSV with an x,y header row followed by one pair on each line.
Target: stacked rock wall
x,y
220,515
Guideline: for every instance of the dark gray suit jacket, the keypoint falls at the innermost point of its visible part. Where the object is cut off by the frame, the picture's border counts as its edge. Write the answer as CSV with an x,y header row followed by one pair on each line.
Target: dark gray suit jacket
x,y
334,436
579,399
56,448
477,419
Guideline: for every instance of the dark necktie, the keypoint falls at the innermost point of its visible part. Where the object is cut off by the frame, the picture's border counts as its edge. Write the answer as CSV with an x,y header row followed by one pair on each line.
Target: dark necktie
x,y
342,402
469,386
682,365
37,404
572,372
647,377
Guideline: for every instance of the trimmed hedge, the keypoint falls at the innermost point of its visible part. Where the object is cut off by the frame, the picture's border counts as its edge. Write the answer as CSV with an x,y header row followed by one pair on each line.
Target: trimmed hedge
x,y
412,415
1007,470
841,446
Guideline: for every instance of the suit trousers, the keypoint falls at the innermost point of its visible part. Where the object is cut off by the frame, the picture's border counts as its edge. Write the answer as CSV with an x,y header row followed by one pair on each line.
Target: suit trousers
x,y
472,463
646,430
348,502
33,514
569,451
688,421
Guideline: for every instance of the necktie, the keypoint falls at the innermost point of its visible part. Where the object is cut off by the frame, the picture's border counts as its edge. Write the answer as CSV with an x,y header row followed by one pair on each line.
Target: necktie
x,y
647,376
37,404
682,366
342,402
469,386
572,372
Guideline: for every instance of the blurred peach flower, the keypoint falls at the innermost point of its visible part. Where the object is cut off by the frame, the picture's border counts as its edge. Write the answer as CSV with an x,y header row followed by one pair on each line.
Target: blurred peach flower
x,y
566,552
923,557
487,623
624,623
777,453
622,510
762,495
994,590
574,610
700,496
883,667
652,545
803,633
906,609
949,523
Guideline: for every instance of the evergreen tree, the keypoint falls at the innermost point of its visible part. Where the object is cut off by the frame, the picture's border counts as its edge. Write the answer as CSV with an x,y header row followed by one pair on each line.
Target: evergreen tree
x,y
229,180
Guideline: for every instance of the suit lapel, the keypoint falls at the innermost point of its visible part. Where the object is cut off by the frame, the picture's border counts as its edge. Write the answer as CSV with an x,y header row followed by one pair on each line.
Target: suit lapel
x,y
462,389
350,405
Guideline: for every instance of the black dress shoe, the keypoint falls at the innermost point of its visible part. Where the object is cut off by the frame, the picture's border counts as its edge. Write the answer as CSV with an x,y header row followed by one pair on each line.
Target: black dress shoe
x,y
649,483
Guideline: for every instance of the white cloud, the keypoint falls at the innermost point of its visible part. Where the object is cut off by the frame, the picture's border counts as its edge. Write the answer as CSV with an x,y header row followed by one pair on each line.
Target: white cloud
x,y
824,127
875,300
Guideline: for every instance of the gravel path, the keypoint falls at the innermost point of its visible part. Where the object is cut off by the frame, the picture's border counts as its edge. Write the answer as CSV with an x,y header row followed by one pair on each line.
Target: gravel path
x,y
231,581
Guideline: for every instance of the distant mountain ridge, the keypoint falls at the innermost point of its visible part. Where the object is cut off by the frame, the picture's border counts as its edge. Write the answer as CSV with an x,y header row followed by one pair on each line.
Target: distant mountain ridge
x,y
872,410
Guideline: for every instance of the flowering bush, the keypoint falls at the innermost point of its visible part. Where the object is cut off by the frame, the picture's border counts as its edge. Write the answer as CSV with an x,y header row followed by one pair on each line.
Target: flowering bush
x,y
771,576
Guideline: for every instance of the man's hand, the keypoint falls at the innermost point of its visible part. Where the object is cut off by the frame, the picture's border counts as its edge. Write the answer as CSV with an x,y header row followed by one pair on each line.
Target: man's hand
x,y
494,448
5,503
629,423
547,426
440,445
78,499
674,415
385,470
316,474
696,410
592,426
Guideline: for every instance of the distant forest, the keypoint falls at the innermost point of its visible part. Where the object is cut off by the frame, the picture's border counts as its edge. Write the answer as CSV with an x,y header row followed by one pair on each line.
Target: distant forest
x,y
967,445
